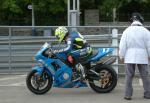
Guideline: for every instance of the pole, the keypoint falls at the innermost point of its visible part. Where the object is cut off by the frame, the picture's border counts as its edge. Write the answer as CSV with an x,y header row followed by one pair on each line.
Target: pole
x,y
74,4
68,12
115,43
10,29
78,14
114,15
73,13
33,21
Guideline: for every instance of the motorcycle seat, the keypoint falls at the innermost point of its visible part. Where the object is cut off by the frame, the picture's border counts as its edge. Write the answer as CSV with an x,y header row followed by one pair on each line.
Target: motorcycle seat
x,y
101,53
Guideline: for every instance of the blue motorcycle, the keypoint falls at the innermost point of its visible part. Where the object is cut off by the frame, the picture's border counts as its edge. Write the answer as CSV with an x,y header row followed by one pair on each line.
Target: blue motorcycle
x,y
53,70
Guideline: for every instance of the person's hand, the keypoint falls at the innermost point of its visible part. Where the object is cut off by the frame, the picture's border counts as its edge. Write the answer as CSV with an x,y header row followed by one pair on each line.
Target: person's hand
x,y
54,51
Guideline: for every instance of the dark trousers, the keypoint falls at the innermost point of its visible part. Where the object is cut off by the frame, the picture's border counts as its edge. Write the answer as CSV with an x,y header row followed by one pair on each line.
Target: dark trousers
x,y
130,71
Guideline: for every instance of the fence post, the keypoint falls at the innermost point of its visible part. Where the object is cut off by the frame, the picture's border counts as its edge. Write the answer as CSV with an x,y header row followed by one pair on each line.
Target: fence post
x,y
115,44
10,31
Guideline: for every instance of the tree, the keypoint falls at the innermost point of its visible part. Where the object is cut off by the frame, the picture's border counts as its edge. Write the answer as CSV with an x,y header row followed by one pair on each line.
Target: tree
x,y
12,9
54,12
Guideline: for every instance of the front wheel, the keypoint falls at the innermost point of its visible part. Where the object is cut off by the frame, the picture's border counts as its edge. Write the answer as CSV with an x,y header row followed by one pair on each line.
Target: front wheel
x,y
107,79
39,84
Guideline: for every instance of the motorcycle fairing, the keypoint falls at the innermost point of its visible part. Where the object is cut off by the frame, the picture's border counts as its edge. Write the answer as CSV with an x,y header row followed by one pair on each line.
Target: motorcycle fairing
x,y
101,53
40,70
63,76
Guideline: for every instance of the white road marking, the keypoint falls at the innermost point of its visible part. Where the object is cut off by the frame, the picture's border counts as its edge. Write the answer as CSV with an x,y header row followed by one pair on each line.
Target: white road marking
x,y
140,82
10,78
18,84
135,84
5,81
14,84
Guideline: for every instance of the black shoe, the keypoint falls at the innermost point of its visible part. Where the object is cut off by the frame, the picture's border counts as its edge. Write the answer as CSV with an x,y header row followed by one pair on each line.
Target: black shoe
x,y
127,98
146,97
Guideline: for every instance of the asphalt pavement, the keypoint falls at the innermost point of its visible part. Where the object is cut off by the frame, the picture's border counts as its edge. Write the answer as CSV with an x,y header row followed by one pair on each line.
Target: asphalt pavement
x,y
13,90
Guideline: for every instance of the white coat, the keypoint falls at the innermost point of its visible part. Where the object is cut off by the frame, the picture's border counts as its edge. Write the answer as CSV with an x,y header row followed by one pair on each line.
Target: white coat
x,y
135,44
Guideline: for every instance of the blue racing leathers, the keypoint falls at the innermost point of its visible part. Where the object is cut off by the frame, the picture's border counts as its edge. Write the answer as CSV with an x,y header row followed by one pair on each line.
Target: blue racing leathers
x,y
75,44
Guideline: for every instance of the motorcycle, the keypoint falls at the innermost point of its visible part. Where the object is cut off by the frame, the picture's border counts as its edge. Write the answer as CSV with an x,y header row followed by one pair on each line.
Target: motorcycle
x,y
53,70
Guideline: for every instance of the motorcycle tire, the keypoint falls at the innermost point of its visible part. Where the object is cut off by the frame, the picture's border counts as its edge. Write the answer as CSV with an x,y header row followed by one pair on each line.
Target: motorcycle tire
x,y
38,85
107,81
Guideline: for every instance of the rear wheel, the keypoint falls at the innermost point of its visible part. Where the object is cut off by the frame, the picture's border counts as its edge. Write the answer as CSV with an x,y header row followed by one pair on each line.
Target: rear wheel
x,y
107,79
39,84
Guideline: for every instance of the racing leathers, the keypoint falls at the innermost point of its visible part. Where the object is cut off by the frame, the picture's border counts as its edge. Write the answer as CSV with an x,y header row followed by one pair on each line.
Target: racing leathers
x,y
76,45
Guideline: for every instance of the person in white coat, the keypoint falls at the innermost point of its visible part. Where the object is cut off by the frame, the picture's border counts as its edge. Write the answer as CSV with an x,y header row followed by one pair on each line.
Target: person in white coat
x,y
134,51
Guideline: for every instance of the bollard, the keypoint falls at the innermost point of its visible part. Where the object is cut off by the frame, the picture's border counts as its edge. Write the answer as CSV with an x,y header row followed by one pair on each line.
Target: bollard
x,y
115,44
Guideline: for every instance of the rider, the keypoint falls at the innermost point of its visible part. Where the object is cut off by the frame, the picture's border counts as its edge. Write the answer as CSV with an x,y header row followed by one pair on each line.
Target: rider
x,y
75,44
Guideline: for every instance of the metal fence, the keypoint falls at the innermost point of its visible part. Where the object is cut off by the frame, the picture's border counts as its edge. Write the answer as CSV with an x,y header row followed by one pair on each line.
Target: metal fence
x,y
18,45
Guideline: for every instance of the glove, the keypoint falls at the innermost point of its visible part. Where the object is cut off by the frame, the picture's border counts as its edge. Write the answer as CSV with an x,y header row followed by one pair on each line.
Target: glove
x,y
56,51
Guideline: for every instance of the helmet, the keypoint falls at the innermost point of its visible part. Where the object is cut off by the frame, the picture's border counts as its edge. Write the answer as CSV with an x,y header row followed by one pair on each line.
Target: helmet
x,y
137,16
60,33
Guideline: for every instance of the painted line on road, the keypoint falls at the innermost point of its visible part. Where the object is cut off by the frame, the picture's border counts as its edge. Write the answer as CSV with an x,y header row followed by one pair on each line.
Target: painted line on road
x,y
18,84
14,84
135,84
140,82
10,78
